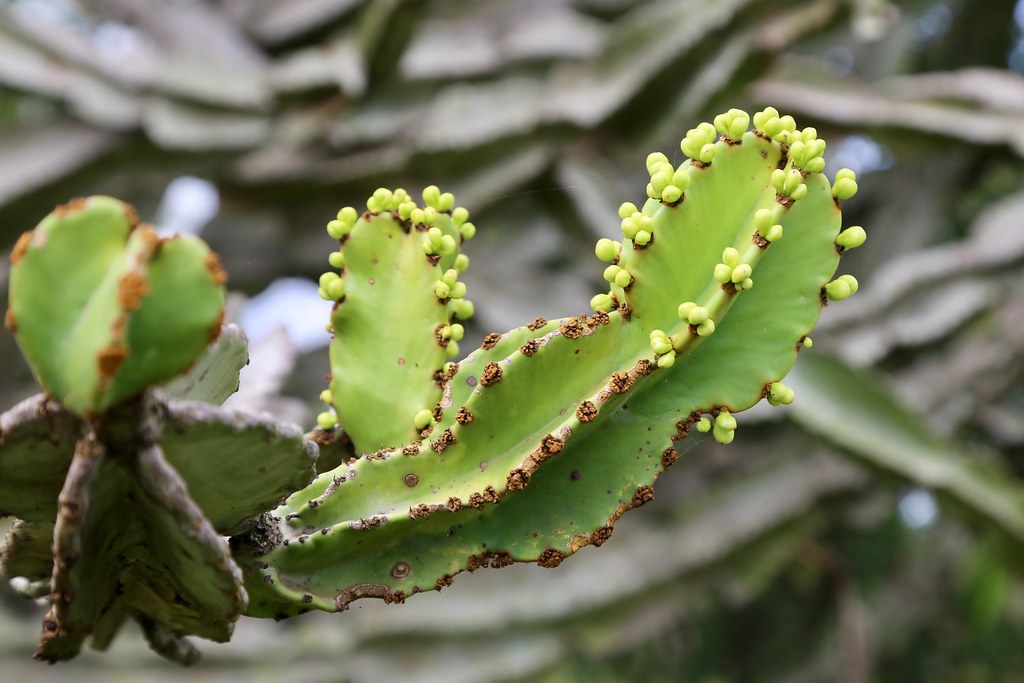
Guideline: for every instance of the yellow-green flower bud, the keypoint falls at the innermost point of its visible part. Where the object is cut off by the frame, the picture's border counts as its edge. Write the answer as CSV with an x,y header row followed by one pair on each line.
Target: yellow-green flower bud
x,y
337,229
602,302
623,278
844,188
462,308
681,178
671,194
741,273
723,436
852,237
348,215
841,288
684,310
336,289
697,315
606,249
725,420
326,420
661,344
431,195
707,153
706,328
423,419
627,209
654,160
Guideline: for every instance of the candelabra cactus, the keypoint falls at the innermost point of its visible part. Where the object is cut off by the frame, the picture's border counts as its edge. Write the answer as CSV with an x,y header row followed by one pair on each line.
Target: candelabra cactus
x,y
119,492
543,437
528,449
91,295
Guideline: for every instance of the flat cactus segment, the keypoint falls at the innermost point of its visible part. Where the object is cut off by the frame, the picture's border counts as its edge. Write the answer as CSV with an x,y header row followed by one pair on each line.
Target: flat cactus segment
x,y
715,212
177,319
102,308
51,281
387,350
26,552
235,465
37,441
384,330
496,347
496,444
214,377
571,429
130,541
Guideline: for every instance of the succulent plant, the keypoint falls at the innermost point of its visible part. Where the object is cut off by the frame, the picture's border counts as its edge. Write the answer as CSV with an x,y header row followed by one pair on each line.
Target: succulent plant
x,y
527,450
536,443
92,294
119,490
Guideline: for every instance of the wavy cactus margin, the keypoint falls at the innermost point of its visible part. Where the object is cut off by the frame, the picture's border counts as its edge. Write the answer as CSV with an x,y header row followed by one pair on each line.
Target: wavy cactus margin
x,y
537,442
527,450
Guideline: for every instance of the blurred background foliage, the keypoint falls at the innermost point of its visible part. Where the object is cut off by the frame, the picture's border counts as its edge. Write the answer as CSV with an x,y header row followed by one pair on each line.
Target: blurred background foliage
x,y
874,531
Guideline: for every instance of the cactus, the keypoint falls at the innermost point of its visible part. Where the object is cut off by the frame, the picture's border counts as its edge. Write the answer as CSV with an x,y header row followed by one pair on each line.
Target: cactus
x,y
91,292
527,450
543,437
397,294
118,486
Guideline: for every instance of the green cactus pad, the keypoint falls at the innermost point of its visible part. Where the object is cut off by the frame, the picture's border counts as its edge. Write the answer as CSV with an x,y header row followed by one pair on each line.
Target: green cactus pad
x,y
37,440
102,308
129,541
395,297
214,377
539,448
263,460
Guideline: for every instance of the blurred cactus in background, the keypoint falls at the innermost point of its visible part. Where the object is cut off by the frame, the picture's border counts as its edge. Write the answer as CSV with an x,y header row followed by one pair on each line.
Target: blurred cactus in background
x,y
868,531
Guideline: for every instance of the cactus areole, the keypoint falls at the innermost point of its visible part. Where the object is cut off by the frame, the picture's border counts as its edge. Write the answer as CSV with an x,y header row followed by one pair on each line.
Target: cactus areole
x,y
527,449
